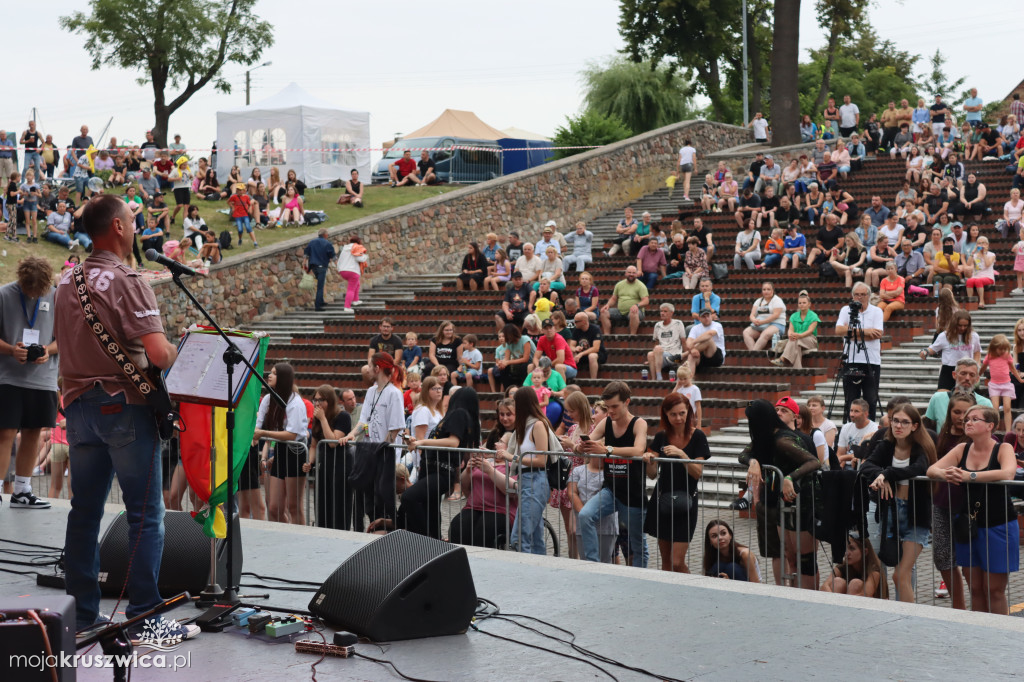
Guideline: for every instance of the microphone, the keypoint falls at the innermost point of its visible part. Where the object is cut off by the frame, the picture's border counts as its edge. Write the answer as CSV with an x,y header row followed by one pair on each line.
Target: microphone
x,y
176,268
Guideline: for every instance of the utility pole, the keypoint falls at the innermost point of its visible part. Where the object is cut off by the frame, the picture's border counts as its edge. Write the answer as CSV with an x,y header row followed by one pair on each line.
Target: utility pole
x,y
248,81
746,110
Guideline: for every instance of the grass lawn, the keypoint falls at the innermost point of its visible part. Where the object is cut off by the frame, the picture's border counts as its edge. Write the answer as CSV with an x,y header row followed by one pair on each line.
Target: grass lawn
x,y
376,199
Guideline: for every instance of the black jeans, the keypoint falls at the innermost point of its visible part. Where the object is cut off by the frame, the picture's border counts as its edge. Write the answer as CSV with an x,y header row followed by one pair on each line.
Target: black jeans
x,y
477,528
334,494
863,384
320,272
421,504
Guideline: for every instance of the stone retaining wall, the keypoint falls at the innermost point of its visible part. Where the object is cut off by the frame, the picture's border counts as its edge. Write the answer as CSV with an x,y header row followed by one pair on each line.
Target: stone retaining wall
x,y
431,236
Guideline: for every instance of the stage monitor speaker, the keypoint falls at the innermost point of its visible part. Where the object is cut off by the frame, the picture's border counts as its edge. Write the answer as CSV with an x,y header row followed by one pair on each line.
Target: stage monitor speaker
x,y
185,565
22,649
401,586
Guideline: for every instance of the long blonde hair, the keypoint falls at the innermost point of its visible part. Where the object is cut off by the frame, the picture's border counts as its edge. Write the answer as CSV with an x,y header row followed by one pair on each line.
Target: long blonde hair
x,y
580,406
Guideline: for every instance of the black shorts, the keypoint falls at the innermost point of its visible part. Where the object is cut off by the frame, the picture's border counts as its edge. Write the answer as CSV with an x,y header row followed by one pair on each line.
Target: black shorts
x,y
715,360
27,408
288,461
182,196
249,478
517,317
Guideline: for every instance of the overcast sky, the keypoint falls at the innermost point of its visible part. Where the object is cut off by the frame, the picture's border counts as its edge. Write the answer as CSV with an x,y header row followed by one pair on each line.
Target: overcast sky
x,y
514,64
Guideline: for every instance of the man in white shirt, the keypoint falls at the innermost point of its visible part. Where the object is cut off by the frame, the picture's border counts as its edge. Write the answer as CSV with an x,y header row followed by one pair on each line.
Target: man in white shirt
x,y
760,125
849,117
705,343
548,240
529,264
854,432
669,337
863,360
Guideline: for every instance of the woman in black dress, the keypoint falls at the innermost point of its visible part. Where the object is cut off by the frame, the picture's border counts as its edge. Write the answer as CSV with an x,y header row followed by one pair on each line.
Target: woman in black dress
x,y
333,493
474,269
444,347
439,469
672,510
773,444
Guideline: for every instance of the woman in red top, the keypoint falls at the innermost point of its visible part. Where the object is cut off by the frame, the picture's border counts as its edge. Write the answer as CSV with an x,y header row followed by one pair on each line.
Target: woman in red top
x,y
891,289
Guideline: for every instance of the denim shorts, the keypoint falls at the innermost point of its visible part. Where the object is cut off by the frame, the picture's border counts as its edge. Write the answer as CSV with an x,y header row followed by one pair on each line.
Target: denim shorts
x,y
908,533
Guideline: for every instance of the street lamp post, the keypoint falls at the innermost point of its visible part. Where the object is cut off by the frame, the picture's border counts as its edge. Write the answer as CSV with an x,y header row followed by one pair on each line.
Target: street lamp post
x,y
247,79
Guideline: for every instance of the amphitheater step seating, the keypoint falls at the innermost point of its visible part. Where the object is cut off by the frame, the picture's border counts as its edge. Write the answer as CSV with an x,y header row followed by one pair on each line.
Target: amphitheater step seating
x,y
331,345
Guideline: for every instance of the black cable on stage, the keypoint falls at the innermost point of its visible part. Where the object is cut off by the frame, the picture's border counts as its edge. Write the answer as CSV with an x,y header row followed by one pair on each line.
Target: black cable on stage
x,y
283,588
384,661
282,580
11,570
29,544
545,649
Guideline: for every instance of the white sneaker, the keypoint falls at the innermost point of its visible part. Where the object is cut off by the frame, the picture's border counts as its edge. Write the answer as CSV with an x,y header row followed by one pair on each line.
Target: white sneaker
x,y
941,591
348,310
357,302
28,501
73,244
1017,292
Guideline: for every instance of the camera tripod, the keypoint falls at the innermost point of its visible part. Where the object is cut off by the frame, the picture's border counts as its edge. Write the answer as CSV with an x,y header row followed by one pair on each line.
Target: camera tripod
x,y
852,345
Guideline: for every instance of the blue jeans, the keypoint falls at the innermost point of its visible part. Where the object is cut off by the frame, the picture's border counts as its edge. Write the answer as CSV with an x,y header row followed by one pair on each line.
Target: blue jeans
x,y
61,238
534,493
83,239
106,436
34,159
605,504
772,260
650,279
320,272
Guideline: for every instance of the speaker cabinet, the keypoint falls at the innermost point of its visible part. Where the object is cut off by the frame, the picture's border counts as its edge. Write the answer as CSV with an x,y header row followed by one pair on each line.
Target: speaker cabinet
x,y
22,651
400,586
185,565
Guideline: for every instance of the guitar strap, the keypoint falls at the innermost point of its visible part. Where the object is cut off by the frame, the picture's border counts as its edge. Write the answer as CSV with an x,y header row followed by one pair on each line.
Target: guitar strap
x,y
106,339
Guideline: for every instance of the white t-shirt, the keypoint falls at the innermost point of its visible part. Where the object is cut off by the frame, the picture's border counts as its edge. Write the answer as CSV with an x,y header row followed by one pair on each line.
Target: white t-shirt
x,y
766,308
423,416
1013,212
848,115
870,318
384,414
760,127
686,155
692,394
670,336
295,419
850,435
699,328
951,352
529,267
827,427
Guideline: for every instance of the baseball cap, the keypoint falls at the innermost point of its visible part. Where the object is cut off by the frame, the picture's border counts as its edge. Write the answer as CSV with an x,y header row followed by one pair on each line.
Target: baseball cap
x,y
789,404
160,194
706,311
549,230
550,223
547,323
769,156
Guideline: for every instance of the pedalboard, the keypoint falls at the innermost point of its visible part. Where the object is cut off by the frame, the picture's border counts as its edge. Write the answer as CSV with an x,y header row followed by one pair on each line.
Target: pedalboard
x,y
289,625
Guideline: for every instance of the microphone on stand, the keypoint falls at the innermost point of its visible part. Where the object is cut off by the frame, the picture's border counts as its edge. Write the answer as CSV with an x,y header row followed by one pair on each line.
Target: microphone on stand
x,y
176,268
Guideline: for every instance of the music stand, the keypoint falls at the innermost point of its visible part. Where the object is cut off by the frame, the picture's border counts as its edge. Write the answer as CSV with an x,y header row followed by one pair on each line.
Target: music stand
x,y
231,356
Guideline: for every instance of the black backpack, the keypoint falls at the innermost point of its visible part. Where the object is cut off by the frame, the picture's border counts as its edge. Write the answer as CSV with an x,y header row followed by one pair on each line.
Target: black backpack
x,y
225,240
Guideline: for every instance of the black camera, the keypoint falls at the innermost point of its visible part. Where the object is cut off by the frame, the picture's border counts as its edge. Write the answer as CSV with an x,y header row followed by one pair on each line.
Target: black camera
x,y
35,351
854,307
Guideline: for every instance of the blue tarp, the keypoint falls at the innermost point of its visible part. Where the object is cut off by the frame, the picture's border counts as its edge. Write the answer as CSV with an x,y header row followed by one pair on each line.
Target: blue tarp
x,y
535,153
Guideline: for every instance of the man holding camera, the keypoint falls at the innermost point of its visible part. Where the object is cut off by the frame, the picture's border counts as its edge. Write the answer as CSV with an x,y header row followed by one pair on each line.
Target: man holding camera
x,y
28,372
862,323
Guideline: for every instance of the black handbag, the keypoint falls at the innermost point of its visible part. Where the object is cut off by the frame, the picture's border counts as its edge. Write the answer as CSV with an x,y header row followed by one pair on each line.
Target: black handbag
x,y
890,549
558,469
965,524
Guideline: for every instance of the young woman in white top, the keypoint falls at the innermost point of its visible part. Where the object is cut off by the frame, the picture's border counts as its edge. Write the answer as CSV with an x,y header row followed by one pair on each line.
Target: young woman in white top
x,y
816,406
748,247
288,427
349,269
983,271
426,415
767,318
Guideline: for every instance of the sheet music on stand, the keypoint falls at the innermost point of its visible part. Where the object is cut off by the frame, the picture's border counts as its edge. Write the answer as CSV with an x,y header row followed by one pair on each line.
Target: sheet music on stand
x,y
199,374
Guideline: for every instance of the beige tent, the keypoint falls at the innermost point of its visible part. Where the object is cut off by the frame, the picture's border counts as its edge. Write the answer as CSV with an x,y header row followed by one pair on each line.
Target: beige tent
x,y
455,123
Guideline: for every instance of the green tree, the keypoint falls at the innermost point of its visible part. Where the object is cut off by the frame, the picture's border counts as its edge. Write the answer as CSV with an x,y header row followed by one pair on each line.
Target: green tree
x,y
842,19
173,43
695,36
589,128
640,94
936,82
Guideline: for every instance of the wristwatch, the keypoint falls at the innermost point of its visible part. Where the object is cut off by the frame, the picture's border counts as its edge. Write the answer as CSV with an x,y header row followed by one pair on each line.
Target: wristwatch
x,y
974,475
609,450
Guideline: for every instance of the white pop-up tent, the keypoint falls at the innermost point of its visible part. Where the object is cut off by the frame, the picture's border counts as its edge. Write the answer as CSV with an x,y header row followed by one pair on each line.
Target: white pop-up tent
x,y
294,130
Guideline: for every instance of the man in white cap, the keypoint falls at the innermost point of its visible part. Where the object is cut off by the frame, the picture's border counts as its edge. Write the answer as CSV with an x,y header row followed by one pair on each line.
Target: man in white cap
x,y
547,240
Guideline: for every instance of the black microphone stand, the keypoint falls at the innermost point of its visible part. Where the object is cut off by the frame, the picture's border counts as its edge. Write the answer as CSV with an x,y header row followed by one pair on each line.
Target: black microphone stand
x,y
214,594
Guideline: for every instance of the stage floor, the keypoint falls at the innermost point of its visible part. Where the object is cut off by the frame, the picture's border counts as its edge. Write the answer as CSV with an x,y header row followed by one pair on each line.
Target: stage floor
x,y
683,626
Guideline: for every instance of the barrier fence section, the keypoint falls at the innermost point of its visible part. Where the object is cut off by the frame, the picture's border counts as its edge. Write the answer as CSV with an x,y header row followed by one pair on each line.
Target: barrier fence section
x,y
836,534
